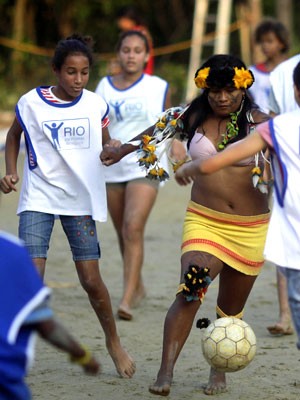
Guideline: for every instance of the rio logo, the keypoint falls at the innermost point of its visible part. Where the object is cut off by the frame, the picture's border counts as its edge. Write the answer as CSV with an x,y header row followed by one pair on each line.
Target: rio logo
x,y
74,131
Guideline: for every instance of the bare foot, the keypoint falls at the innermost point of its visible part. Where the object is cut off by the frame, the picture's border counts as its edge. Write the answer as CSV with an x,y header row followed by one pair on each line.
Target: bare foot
x,y
125,365
139,296
124,312
162,386
280,329
216,383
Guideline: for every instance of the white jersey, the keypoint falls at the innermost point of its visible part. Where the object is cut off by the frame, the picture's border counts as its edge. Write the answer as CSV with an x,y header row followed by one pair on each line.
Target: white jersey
x,y
131,111
281,79
63,174
283,238
260,90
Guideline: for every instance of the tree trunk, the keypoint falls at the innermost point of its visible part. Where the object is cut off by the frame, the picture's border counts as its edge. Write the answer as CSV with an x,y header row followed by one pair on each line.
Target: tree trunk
x,y
256,16
18,35
284,12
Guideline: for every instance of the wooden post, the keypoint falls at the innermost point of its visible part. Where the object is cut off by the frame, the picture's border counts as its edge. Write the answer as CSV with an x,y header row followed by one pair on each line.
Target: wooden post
x,y
242,12
200,12
223,22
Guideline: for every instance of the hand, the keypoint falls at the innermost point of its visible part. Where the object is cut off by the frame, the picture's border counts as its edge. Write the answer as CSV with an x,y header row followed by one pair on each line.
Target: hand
x,y
8,182
110,154
88,363
183,175
92,367
113,143
178,151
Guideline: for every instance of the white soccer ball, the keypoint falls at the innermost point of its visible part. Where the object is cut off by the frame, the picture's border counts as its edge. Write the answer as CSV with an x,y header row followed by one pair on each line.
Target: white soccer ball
x,y
229,344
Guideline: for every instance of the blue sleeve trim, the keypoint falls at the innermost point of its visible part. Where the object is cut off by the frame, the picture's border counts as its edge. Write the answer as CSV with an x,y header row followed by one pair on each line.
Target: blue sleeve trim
x,y
279,168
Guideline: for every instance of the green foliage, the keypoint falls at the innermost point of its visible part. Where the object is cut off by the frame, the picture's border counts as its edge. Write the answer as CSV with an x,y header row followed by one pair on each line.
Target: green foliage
x,y
175,74
46,21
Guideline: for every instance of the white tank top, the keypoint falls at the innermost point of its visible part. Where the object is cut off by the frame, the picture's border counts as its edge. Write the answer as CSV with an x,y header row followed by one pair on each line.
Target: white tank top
x,y
62,171
283,239
131,111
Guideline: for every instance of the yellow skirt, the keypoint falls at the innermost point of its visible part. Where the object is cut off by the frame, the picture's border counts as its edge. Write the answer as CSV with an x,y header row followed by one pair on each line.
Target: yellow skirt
x,y
237,240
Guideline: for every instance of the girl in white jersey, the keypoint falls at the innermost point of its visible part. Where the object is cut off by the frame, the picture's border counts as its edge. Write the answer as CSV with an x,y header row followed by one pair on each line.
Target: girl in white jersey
x,y
283,237
135,100
63,175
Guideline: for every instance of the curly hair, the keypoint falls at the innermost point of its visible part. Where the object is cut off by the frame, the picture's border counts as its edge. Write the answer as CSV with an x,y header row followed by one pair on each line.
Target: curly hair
x,y
74,44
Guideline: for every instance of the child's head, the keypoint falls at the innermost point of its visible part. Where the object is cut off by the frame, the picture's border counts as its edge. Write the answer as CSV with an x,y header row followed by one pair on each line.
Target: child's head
x,y
133,51
72,45
272,30
132,33
128,18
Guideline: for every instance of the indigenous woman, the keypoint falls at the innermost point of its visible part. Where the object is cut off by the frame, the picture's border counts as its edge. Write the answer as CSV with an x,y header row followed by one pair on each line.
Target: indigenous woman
x,y
227,216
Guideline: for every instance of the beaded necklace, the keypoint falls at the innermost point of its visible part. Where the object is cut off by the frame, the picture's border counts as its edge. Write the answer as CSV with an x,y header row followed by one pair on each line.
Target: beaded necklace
x,y
232,129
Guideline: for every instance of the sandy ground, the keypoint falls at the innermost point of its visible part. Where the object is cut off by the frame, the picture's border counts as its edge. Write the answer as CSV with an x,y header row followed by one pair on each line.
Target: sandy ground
x,y
273,374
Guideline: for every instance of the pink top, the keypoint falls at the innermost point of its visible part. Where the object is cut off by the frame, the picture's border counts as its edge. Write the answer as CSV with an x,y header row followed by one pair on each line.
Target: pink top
x,y
264,130
202,148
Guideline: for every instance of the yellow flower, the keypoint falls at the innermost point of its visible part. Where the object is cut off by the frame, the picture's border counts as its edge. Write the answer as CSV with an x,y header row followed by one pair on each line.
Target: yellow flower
x,y
256,171
243,78
160,125
150,159
146,139
149,148
200,79
160,172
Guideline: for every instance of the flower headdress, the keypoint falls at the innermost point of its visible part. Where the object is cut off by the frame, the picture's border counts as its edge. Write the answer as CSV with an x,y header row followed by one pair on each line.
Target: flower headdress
x,y
208,77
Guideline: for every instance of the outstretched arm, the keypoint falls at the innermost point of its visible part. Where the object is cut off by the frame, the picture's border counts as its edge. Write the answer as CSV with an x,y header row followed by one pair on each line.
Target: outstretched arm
x,y
231,155
111,154
56,334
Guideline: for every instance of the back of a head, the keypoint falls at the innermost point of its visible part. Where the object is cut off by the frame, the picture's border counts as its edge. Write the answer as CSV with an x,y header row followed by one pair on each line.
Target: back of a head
x,y
131,13
296,76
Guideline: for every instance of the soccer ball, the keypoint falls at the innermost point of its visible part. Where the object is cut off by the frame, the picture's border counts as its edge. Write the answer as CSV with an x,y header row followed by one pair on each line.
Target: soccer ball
x,y
228,344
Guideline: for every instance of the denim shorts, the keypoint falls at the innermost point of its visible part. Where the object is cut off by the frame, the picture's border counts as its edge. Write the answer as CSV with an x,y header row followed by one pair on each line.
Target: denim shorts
x,y
35,229
293,287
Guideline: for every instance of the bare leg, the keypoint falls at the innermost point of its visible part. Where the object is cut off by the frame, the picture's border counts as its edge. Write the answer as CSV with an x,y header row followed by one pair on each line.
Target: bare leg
x,y
40,264
137,199
90,278
231,302
178,324
284,324
179,321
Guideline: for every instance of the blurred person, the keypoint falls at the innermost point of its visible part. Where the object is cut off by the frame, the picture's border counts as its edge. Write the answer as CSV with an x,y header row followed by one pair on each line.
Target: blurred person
x,y
129,18
24,312
65,128
282,100
273,39
135,100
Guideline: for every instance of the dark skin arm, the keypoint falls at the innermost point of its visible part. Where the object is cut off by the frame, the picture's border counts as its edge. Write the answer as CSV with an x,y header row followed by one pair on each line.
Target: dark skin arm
x,y
12,147
57,335
111,155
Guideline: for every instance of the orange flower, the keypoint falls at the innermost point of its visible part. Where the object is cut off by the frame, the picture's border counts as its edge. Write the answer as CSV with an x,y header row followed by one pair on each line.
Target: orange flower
x,y
200,79
243,78
146,139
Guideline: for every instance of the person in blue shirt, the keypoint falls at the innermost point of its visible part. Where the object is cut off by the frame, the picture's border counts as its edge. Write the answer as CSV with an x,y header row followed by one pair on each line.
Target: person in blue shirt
x,y
25,312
